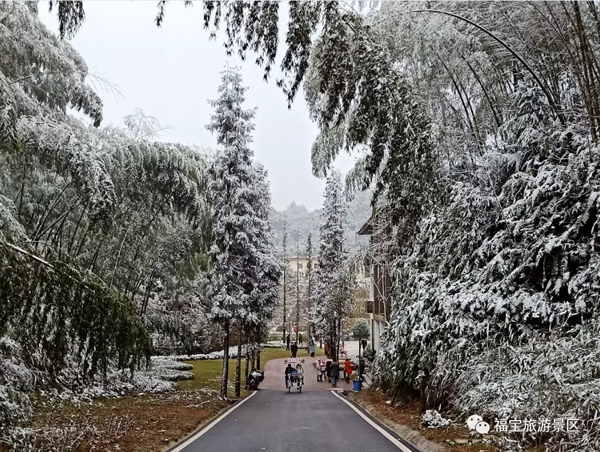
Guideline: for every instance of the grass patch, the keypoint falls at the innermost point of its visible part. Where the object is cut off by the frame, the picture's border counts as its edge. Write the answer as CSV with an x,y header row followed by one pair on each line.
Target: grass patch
x,y
207,373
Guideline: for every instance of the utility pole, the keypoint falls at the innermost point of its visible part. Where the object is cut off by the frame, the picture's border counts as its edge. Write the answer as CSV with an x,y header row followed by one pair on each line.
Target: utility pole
x,y
285,268
309,279
297,288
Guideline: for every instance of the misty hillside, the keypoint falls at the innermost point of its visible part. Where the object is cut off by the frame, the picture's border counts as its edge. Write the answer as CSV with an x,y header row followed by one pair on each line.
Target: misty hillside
x,y
300,221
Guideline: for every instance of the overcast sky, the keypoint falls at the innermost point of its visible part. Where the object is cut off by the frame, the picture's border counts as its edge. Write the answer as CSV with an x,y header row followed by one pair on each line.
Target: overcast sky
x,y
171,72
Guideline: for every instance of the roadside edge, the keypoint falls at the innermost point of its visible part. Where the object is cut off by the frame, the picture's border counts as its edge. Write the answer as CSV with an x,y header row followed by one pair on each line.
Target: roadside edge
x,y
386,431
205,427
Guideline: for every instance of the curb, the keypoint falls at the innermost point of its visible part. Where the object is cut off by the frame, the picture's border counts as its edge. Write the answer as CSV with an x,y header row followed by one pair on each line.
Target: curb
x,y
379,423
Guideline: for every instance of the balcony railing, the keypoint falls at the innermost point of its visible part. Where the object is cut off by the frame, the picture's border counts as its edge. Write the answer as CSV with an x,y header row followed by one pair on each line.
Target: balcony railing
x,y
369,306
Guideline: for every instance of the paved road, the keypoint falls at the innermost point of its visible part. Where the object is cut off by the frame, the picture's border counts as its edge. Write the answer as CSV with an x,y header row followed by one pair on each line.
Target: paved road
x,y
274,420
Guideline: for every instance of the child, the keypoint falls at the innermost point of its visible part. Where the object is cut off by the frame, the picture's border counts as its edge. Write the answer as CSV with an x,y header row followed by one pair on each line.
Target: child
x,y
322,369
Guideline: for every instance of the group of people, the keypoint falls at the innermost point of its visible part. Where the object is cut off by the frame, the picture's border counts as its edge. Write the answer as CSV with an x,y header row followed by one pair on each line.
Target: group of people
x,y
331,369
293,348
288,340
291,373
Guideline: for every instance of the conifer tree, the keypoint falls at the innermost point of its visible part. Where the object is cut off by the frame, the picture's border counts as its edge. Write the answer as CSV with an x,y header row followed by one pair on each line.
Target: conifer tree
x,y
285,271
331,291
232,250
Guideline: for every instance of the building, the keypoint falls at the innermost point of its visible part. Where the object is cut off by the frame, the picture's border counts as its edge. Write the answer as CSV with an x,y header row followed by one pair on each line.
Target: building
x,y
379,303
300,263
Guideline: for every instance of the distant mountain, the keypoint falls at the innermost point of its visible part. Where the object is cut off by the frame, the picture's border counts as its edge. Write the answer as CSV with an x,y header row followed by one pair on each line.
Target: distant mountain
x,y
300,222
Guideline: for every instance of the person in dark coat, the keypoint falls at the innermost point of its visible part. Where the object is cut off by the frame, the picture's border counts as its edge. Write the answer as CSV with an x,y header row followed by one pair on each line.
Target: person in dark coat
x,y
328,369
287,342
288,372
311,347
294,349
335,373
300,338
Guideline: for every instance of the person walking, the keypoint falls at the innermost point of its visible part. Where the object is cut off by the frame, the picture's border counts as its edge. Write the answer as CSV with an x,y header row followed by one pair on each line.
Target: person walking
x,y
335,373
348,369
294,349
300,338
328,369
318,367
311,347
287,346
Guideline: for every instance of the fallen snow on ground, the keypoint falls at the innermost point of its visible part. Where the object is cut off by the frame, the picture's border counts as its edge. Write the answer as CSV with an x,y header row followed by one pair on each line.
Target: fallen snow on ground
x,y
433,419
200,356
17,381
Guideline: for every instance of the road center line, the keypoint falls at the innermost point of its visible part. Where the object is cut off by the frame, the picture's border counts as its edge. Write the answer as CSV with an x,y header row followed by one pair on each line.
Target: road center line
x,y
373,424
211,425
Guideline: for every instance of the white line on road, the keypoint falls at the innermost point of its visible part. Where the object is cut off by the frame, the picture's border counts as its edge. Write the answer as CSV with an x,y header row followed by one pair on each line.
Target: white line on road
x,y
211,425
370,421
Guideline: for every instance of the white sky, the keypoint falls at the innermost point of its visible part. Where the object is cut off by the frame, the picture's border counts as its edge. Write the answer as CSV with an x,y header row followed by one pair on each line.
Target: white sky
x,y
171,72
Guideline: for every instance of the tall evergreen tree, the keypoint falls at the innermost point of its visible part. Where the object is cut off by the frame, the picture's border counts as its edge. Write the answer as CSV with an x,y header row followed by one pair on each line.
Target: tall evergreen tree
x,y
268,268
331,291
298,297
233,249
285,271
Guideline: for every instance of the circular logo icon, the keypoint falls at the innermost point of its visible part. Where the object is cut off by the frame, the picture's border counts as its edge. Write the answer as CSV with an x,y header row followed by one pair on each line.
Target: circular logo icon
x,y
473,421
482,427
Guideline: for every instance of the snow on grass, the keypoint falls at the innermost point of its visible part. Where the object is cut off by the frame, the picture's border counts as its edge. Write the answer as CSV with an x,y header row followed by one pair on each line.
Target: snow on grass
x,y
200,356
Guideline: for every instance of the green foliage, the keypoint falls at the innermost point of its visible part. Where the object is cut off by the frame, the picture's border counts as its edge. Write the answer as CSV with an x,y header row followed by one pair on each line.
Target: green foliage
x,y
124,216
63,317
361,329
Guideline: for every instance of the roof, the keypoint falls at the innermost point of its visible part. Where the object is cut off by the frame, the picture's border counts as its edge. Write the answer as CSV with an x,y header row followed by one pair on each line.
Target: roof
x,y
366,229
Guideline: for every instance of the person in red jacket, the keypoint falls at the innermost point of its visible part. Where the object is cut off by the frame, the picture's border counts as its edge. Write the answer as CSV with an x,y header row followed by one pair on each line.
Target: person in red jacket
x,y
348,368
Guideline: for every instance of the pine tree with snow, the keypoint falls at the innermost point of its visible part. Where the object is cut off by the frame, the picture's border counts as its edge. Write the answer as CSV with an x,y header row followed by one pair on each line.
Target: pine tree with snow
x,y
245,272
332,292
268,269
232,178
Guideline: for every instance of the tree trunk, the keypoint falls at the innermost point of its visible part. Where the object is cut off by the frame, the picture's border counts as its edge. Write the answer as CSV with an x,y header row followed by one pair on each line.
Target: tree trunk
x,y
258,355
238,365
225,374
339,335
246,371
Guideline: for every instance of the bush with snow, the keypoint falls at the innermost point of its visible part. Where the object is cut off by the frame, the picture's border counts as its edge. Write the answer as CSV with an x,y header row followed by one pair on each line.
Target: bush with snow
x,y
433,419
496,301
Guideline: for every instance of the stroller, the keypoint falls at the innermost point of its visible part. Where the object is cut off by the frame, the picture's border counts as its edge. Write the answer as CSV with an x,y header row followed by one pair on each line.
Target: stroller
x,y
296,378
